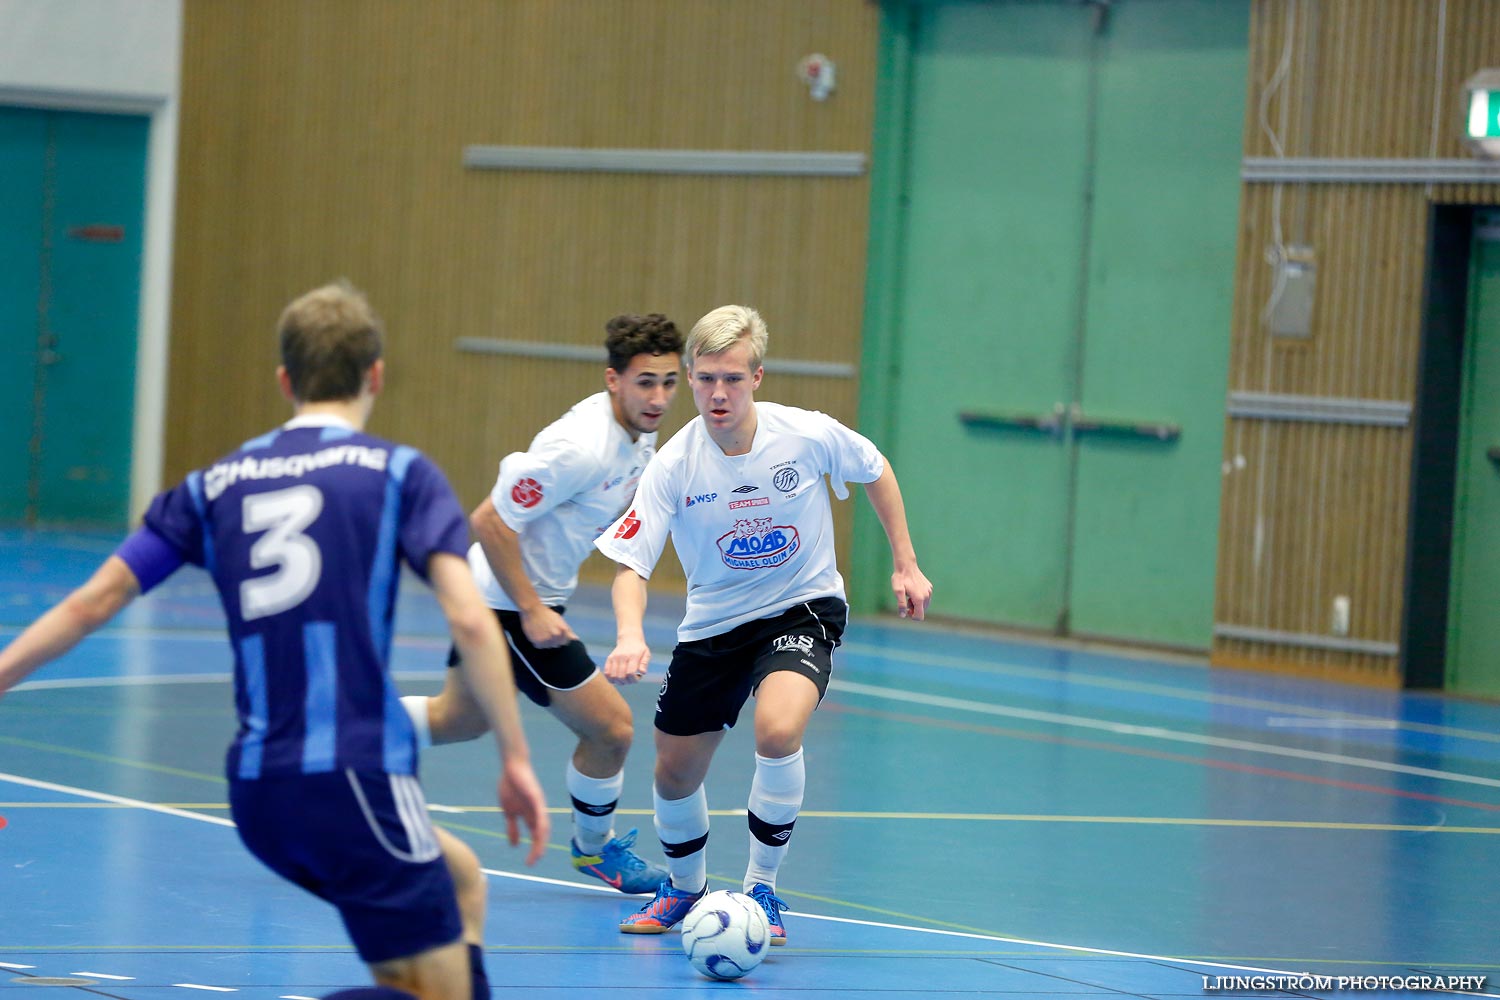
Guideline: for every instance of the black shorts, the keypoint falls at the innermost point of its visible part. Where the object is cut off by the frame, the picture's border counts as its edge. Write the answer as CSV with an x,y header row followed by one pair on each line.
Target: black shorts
x,y
539,672
710,679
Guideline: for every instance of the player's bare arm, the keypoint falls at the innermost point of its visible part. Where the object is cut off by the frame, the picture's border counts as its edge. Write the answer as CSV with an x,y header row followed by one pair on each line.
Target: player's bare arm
x,y
502,549
487,670
111,587
912,589
631,656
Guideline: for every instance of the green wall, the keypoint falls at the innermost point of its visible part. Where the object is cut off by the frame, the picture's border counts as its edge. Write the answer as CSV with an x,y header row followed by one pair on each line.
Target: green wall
x,y
1054,224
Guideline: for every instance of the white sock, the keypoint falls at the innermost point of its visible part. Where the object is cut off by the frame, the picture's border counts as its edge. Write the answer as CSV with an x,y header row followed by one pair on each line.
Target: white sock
x,y
594,802
682,826
416,707
775,800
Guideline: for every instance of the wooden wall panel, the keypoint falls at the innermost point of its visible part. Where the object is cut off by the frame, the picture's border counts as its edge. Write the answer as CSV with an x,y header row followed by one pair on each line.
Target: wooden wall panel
x,y
325,140
1310,511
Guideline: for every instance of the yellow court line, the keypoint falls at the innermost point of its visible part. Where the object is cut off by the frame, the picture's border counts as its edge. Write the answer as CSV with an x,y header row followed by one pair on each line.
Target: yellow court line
x,y
443,816
106,758
1272,824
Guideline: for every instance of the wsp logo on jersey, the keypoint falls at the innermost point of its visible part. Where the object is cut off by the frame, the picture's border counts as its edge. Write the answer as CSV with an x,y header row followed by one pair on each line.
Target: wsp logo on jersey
x,y
701,498
756,543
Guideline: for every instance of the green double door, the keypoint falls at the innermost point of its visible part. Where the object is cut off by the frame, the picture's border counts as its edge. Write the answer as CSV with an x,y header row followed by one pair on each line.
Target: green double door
x,y
72,207
1473,661
1066,274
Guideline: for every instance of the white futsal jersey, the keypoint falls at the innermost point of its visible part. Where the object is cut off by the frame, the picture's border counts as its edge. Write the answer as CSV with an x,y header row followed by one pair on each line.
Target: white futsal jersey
x,y
754,531
559,494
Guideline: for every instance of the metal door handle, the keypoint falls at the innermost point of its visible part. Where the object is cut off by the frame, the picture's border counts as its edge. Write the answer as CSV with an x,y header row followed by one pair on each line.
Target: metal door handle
x,y
1046,423
1144,430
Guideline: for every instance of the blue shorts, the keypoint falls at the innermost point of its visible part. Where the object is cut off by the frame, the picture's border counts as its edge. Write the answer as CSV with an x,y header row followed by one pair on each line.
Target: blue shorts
x,y
361,840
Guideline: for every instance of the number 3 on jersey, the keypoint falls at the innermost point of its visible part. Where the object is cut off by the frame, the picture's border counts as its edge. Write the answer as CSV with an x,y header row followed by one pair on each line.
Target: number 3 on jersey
x,y
283,515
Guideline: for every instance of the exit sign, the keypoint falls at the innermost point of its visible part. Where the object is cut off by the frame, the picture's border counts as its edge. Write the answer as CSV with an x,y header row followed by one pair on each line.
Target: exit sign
x,y
1484,114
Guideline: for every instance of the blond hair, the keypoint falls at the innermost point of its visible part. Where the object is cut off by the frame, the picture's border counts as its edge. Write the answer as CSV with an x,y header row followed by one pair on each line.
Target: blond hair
x,y
724,327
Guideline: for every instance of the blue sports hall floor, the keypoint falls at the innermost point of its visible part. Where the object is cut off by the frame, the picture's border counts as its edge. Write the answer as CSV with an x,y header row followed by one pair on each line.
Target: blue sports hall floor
x,y
984,817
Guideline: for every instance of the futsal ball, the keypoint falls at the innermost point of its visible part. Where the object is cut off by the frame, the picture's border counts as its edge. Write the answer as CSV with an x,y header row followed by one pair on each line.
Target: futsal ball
x,y
725,934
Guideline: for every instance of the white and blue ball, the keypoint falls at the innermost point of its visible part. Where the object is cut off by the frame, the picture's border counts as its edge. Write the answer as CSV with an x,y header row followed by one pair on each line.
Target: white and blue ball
x,y
725,934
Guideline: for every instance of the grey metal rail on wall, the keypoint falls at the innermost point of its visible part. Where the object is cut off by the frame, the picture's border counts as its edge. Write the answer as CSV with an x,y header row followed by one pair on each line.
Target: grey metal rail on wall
x,y
746,162
1060,420
594,354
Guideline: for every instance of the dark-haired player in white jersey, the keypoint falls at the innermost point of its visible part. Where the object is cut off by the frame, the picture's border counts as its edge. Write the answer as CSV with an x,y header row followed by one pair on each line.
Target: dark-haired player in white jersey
x,y
535,529
741,491
303,531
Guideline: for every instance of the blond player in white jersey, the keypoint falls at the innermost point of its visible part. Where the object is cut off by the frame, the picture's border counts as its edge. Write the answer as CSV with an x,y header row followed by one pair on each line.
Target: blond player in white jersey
x,y
535,528
741,491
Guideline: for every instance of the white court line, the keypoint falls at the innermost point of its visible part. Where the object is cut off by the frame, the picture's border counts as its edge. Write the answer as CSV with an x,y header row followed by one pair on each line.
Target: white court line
x,y
185,814
962,705
970,935
1343,718
100,975
958,704
1330,722
16,779
1052,674
13,965
911,656
133,680
1155,733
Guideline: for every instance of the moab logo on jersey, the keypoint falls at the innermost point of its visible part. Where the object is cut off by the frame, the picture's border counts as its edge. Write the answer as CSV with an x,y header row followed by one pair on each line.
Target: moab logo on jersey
x,y
756,543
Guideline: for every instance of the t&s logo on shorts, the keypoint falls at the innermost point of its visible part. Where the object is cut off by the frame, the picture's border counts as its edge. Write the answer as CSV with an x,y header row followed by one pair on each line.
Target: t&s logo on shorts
x,y
801,644
526,493
756,543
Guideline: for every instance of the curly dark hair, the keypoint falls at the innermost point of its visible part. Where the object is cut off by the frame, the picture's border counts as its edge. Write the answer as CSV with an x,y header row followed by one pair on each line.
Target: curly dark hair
x,y
627,336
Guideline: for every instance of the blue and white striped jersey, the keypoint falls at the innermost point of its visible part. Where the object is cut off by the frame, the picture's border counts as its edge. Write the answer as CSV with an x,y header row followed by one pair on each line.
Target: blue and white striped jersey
x,y
303,531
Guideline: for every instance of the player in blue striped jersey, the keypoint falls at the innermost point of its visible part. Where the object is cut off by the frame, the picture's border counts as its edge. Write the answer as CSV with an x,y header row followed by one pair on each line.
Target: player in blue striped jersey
x,y
303,531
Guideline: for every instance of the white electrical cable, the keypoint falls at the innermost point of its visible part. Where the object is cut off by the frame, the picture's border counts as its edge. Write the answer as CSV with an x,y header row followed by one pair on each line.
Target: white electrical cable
x,y
1437,81
1276,254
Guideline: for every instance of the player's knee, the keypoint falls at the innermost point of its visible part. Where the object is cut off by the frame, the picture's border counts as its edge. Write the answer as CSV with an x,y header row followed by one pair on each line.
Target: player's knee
x,y
455,720
468,884
777,739
615,738
677,779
